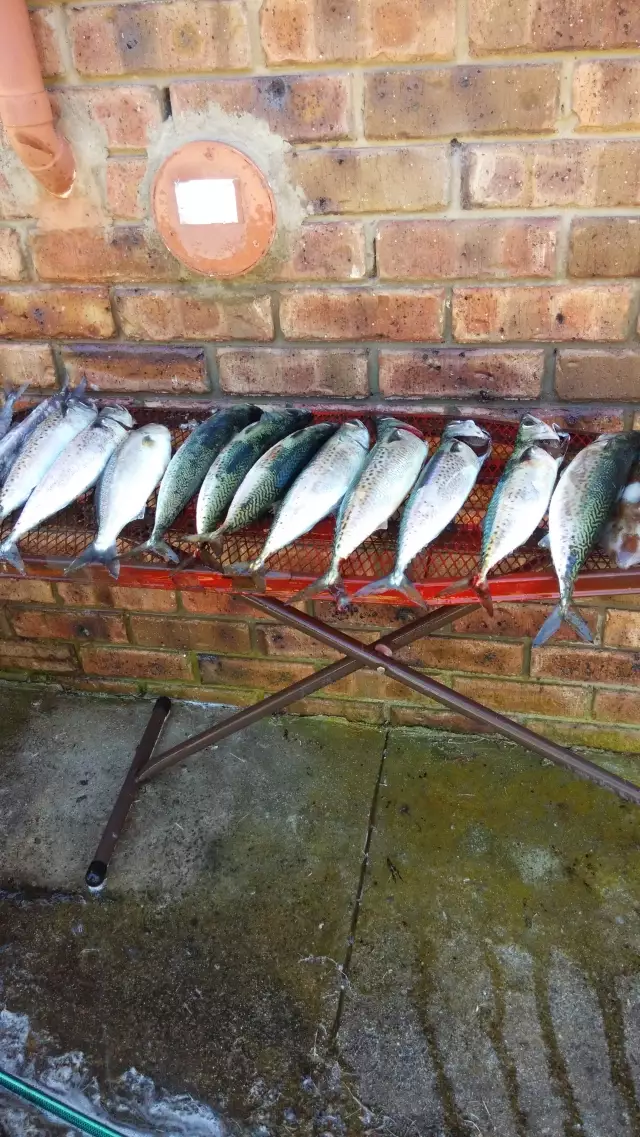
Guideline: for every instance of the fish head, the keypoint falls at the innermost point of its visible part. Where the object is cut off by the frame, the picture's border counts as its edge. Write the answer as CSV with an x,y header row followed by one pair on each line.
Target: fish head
x,y
466,430
154,433
117,414
387,425
356,430
289,418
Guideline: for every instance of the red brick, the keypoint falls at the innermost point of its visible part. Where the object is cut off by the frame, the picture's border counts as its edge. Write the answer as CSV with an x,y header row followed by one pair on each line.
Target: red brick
x,y
60,313
450,250
279,640
436,720
167,314
558,313
451,372
264,674
11,258
617,706
103,686
124,253
606,93
527,698
307,31
47,625
127,114
191,635
518,620
172,370
25,591
180,35
622,629
537,175
600,735
300,108
293,371
217,604
364,615
349,709
43,658
440,653
47,32
143,599
84,595
551,25
224,696
124,181
598,374
461,100
605,246
327,250
359,314
586,665
395,179
23,362
136,663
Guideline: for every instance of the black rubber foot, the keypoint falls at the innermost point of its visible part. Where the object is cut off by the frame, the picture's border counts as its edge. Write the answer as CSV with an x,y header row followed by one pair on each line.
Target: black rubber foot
x,y
96,874
165,702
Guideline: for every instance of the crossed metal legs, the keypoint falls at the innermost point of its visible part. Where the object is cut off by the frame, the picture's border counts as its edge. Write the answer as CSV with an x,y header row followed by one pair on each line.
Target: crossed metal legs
x,y
378,656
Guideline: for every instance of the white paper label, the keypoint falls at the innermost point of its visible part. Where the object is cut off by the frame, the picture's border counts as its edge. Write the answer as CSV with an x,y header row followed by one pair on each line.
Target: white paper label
x,y
207,201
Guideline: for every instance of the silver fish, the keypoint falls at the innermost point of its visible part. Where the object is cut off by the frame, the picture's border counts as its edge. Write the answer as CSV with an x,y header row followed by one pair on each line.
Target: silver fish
x,y
16,438
316,492
131,475
581,504
440,492
6,415
66,419
388,475
74,471
621,537
234,462
188,468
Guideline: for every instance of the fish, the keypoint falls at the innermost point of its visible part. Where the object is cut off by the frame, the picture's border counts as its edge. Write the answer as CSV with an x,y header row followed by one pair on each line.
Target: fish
x,y
67,417
621,537
6,415
16,438
269,478
519,501
236,459
580,507
440,492
127,482
74,471
188,468
316,492
387,476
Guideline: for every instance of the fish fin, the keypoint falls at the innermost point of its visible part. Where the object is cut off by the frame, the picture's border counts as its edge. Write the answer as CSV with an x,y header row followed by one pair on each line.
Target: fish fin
x,y
578,624
393,584
92,556
159,547
244,568
330,582
457,586
14,395
553,622
481,589
214,538
544,542
10,553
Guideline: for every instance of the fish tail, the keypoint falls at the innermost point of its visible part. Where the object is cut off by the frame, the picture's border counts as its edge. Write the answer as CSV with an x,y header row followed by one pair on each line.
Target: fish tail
x,y
159,547
330,582
479,585
92,556
214,538
10,553
395,581
561,613
245,568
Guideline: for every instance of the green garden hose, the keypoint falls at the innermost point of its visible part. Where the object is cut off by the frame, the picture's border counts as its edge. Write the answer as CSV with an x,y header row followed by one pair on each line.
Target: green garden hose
x,y
52,1105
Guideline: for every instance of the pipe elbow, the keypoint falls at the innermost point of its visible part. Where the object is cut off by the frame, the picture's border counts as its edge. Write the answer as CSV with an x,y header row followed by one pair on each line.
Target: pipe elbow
x,y
46,154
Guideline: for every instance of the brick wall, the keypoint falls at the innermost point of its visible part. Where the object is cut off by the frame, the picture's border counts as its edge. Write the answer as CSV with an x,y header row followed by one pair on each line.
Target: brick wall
x,y
467,174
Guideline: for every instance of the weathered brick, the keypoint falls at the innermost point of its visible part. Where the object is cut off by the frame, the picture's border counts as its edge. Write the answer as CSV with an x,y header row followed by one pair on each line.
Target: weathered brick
x,y
437,720
170,370
605,246
60,313
440,653
539,175
450,250
367,684
606,93
265,674
180,35
339,374
365,615
617,706
304,31
43,658
276,640
587,665
11,258
372,180
221,636
600,735
102,686
167,314
451,372
358,314
24,362
557,313
124,181
551,25
300,108
225,696
83,595
136,663
622,629
350,709
461,100
208,603
25,591
598,374
127,114
47,625
47,33
327,250
527,698
517,620
124,253
143,599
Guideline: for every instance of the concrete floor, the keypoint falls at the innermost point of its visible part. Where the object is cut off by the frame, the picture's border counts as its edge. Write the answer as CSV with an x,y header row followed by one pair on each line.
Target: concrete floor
x,y
477,973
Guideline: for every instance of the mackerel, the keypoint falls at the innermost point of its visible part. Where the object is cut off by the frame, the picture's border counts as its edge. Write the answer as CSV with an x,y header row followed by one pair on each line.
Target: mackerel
x,y
6,415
